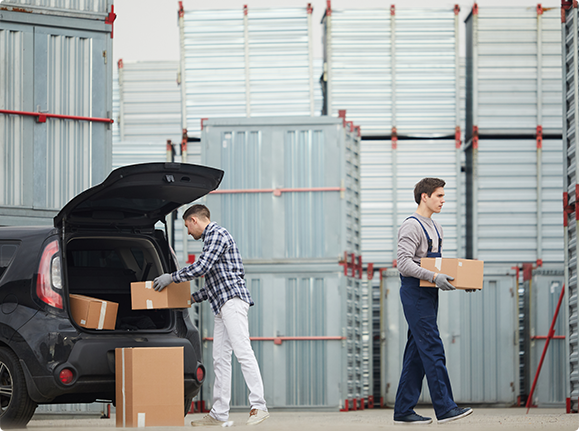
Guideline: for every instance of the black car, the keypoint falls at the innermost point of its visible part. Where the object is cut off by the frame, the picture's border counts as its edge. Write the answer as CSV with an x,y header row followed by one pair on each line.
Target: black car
x,y
102,240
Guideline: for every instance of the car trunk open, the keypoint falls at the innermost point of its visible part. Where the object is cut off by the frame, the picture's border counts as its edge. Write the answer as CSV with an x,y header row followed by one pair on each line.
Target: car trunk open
x,y
104,267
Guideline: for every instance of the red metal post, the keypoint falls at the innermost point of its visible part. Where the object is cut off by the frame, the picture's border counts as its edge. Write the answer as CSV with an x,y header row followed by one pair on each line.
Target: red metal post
x,y
549,337
111,17
394,138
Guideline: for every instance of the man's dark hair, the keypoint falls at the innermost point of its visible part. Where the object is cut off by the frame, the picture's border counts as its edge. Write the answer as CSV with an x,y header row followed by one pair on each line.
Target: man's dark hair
x,y
428,186
197,210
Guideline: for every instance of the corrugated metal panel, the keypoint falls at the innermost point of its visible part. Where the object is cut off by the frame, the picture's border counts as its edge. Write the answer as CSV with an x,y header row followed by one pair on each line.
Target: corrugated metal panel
x,y
388,180
407,59
301,301
59,71
232,64
514,59
148,109
286,153
95,9
516,201
151,101
546,288
570,49
479,337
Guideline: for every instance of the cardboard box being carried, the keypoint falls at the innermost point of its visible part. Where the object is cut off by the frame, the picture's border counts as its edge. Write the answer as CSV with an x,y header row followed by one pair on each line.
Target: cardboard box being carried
x,y
467,273
93,313
175,295
149,386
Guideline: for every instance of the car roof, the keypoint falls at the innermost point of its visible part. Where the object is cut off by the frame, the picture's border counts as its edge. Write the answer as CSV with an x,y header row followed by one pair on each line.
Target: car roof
x,y
22,232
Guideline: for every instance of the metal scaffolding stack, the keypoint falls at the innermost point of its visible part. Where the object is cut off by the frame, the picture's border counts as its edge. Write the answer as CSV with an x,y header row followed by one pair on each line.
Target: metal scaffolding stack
x,y
570,35
290,198
513,129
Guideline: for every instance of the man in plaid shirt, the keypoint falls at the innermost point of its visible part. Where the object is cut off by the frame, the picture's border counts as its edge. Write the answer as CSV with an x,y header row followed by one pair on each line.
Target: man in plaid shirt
x,y
221,264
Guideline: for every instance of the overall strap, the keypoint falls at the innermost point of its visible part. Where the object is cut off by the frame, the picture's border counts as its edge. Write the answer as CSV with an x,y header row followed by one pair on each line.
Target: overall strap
x,y
439,238
425,233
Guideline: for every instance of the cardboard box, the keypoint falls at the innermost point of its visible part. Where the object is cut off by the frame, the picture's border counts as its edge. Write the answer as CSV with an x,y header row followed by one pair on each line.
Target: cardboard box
x,y
149,386
467,273
175,295
93,313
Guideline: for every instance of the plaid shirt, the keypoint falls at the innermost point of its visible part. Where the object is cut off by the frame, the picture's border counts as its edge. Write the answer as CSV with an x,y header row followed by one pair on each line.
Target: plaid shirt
x,y
221,264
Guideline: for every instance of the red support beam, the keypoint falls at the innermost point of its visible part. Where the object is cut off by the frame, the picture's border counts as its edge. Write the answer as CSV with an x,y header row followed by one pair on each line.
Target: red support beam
x,y
41,116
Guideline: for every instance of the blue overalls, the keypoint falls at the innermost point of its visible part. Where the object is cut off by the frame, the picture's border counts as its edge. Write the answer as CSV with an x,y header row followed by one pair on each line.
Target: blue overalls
x,y
424,352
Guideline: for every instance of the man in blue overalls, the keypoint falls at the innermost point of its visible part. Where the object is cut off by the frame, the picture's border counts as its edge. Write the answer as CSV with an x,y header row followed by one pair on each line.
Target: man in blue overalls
x,y
418,237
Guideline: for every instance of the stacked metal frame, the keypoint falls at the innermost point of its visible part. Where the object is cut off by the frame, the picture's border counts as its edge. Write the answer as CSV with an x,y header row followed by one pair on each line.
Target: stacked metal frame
x,y
570,46
390,170
246,63
290,198
545,289
513,123
477,330
55,106
393,70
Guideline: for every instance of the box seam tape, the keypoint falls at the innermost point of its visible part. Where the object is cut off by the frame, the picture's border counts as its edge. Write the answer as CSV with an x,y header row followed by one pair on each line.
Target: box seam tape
x,y
438,263
149,304
102,316
140,420
148,284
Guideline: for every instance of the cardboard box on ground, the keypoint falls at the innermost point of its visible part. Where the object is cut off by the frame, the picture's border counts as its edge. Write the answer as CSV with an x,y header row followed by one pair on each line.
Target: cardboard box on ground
x,y
93,313
149,386
467,273
175,295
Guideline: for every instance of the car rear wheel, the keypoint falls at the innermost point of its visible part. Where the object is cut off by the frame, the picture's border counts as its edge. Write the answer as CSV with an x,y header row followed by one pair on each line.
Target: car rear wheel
x,y
16,407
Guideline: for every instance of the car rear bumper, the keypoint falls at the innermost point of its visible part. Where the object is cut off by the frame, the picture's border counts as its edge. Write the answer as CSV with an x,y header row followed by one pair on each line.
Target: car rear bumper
x,y
92,361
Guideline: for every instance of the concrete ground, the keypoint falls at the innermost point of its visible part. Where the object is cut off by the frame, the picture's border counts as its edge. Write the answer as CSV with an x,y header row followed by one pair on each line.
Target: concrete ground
x,y
496,419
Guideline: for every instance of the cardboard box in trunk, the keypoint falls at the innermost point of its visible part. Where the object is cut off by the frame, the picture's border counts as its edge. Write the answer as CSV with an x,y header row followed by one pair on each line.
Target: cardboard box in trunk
x,y
467,273
175,295
93,313
149,386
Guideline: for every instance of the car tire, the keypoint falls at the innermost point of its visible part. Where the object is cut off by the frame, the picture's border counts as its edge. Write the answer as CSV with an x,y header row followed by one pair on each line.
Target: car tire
x,y
16,407
188,402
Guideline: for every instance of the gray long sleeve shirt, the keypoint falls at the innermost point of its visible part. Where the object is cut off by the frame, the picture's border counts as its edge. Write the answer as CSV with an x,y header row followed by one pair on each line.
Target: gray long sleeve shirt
x,y
413,245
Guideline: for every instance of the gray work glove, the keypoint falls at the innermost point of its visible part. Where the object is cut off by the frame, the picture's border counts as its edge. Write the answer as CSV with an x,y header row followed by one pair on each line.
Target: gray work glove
x,y
442,282
162,281
470,290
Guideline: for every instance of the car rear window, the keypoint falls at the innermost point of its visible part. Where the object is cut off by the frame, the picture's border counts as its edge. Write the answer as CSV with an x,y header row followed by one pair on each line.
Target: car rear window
x,y
7,252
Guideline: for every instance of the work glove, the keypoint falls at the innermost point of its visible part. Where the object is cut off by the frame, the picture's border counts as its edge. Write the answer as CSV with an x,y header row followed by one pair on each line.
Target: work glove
x,y
442,282
469,290
162,281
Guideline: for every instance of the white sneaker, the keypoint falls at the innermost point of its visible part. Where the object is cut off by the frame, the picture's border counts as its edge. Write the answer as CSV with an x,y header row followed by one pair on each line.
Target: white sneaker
x,y
207,421
257,416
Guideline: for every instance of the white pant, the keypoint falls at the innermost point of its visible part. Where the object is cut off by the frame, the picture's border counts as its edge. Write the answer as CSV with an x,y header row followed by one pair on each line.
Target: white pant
x,y
231,333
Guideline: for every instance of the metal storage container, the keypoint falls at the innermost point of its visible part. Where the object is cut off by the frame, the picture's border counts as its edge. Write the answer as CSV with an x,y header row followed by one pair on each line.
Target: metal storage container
x,y
570,199
479,332
291,185
514,189
513,71
395,71
246,63
55,106
545,286
307,336
390,170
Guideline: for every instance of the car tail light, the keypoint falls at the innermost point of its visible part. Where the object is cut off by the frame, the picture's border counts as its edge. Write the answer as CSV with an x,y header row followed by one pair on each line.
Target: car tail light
x,y
66,376
49,281
200,374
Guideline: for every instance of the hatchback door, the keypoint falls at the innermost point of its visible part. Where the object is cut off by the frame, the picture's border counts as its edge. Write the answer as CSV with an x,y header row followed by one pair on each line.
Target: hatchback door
x,y
138,196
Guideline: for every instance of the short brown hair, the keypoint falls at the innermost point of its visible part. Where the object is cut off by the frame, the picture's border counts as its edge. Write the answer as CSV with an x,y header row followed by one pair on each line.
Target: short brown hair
x,y
197,210
428,186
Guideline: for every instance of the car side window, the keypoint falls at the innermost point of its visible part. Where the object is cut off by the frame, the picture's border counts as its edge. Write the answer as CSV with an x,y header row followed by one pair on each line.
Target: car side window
x,y
7,252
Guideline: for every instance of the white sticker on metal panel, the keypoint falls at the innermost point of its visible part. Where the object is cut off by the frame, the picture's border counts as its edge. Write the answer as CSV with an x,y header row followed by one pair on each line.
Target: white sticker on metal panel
x,y
140,420
148,284
102,316
149,304
438,263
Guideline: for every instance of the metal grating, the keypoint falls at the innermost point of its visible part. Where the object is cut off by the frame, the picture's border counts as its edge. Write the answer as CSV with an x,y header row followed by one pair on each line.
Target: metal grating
x,y
232,64
570,34
514,70
393,68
